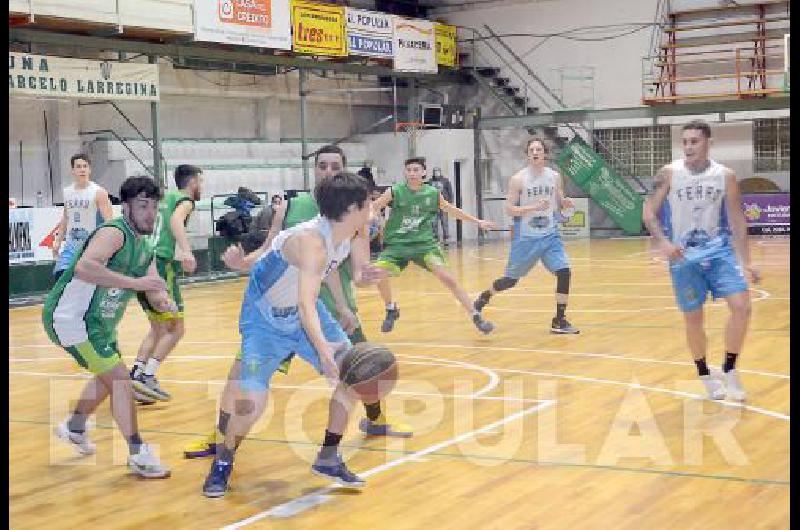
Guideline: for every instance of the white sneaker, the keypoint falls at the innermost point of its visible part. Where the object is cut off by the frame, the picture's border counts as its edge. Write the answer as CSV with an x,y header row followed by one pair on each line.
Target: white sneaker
x,y
733,386
80,442
146,464
714,386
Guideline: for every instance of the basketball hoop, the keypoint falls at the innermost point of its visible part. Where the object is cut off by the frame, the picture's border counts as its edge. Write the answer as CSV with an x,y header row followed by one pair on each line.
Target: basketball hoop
x,y
411,130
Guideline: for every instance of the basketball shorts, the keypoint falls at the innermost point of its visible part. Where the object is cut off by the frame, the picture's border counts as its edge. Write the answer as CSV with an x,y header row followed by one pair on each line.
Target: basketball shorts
x,y
395,258
68,253
170,271
527,251
712,270
270,334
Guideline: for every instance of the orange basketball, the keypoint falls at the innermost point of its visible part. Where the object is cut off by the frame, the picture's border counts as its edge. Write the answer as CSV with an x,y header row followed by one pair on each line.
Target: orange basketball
x,y
370,370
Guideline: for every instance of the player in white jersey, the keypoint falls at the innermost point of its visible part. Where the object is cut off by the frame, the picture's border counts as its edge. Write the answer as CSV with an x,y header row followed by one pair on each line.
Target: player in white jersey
x,y
281,314
86,206
702,231
536,201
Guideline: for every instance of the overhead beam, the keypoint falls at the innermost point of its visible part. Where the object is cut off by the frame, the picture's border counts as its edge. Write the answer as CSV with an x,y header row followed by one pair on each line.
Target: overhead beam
x,y
626,113
199,51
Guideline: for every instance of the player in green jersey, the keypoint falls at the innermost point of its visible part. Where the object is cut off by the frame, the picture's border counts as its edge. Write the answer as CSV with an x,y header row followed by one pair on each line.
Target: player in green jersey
x,y
82,312
336,293
173,255
408,236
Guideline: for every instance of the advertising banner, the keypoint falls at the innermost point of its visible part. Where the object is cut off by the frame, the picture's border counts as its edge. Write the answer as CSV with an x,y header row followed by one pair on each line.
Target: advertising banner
x,y
446,48
577,226
369,33
51,76
261,23
318,29
766,213
414,44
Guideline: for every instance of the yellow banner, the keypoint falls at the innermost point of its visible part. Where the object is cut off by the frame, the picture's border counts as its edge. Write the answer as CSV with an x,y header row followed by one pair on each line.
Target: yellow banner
x,y
446,49
318,29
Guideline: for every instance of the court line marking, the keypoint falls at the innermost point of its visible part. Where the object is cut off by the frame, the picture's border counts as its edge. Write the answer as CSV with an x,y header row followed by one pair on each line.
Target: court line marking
x,y
572,354
646,360
320,496
367,448
678,393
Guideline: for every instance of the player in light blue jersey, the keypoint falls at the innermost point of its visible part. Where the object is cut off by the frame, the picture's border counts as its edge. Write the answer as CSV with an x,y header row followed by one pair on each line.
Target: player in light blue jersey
x,y
695,217
536,201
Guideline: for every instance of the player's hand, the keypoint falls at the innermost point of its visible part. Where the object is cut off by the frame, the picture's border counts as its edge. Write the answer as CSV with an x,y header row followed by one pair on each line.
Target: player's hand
x,y
188,262
371,274
567,203
754,273
670,251
233,257
161,302
329,368
151,282
347,319
486,225
541,204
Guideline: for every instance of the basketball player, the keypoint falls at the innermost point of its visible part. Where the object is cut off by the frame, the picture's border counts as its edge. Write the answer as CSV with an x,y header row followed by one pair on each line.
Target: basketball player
x,y
536,201
82,311
86,205
703,233
173,255
340,302
281,314
408,236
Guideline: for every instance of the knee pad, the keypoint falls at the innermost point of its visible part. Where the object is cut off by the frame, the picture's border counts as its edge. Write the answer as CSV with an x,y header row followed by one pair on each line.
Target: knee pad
x,y
501,284
562,281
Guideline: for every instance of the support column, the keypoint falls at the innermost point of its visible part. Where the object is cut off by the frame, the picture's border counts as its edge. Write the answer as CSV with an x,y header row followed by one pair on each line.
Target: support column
x,y
303,141
476,141
158,165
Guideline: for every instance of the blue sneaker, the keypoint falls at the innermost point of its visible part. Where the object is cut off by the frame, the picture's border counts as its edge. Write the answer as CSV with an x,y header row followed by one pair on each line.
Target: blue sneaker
x,y
337,471
216,484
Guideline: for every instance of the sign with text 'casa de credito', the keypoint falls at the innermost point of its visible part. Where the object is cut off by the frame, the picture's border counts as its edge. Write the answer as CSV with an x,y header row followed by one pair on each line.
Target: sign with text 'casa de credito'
x,y
261,23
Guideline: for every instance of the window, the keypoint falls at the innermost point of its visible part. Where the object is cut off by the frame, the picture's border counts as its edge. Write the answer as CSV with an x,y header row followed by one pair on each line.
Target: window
x,y
635,151
771,144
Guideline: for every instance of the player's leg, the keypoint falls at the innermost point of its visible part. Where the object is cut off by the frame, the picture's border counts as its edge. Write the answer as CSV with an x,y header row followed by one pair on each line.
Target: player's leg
x,y
106,363
727,281
145,396
555,260
207,445
690,293
434,260
329,463
394,260
521,259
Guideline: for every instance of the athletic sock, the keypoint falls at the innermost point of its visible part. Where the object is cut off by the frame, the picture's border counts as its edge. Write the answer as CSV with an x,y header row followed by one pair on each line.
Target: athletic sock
x,y
702,367
222,422
138,367
560,310
391,306
330,445
134,443
77,422
730,362
152,366
373,410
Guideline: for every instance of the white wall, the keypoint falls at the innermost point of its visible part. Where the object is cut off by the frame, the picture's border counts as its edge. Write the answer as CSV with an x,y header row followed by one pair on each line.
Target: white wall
x,y
617,63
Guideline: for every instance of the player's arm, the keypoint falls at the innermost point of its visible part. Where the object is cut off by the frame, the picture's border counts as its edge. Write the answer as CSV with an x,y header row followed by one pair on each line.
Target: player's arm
x,y
103,203
562,200
91,266
234,256
347,318
733,203
458,213
382,202
159,300
653,203
62,228
307,252
513,209
177,222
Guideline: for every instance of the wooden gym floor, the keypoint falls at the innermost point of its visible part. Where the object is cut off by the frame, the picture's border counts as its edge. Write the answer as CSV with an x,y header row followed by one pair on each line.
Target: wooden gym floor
x,y
519,429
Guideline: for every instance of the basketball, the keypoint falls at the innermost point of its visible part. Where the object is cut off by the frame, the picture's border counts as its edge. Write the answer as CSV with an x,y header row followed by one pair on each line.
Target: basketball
x,y
370,370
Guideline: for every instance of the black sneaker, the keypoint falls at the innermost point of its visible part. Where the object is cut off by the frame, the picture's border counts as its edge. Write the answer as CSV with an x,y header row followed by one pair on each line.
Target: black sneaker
x,y
391,316
481,301
336,470
563,327
484,325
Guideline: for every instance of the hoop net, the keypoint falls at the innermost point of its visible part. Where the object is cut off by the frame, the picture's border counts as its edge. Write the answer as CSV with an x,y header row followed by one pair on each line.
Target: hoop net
x,y
411,130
